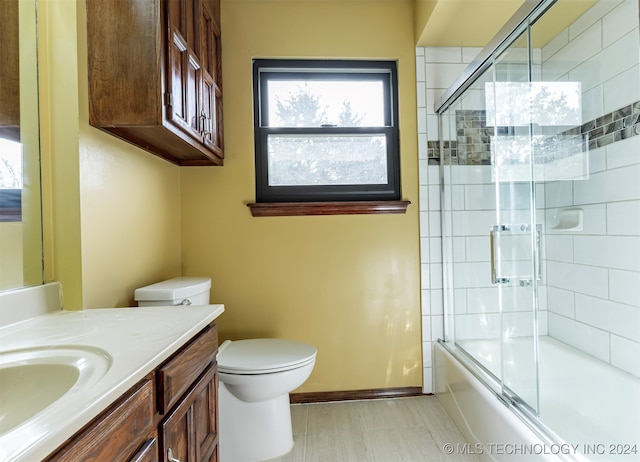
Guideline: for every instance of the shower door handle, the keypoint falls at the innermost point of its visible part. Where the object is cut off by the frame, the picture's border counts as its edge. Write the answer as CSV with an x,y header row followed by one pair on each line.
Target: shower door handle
x,y
494,233
522,229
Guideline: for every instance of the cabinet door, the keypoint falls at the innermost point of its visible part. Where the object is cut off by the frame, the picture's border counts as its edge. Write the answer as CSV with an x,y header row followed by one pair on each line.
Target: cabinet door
x,y
125,431
210,56
184,70
189,433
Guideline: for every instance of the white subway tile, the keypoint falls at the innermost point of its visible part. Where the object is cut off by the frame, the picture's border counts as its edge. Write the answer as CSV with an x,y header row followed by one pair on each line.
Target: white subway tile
x,y
435,228
437,327
623,218
423,197
622,19
561,301
434,96
622,90
426,328
597,160
592,103
625,287
594,14
425,302
516,298
554,45
543,323
459,249
435,250
421,95
422,120
478,248
625,354
472,223
605,186
437,305
618,318
427,380
457,197
471,174
483,300
460,301
434,197
443,75
422,146
620,252
607,64
518,325
469,275
424,223
623,153
590,340
559,248
589,280
580,48
478,326
480,197
432,128
423,172
434,174
443,54
426,354
419,51
424,276
558,194
436,276
420,69
424,250
470,53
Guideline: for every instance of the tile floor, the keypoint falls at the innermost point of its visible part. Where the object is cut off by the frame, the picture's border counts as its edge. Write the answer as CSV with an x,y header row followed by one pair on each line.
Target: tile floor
x,y
387,430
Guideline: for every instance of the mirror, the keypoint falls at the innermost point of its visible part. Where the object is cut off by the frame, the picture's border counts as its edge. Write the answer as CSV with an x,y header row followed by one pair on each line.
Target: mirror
x,y
21,254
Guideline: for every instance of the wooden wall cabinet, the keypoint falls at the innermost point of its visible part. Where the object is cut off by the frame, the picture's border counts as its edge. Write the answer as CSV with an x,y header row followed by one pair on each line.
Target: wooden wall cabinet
x,y
155,76
172,414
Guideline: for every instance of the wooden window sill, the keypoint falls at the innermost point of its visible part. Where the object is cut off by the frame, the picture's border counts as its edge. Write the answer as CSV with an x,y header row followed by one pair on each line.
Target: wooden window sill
x,y
290,209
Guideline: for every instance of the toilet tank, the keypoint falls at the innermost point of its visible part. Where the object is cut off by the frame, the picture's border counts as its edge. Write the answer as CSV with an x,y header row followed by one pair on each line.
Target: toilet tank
x,y
176,291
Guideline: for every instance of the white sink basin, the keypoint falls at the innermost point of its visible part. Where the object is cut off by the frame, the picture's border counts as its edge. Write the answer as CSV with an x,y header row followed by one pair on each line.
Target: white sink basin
x,y
33,379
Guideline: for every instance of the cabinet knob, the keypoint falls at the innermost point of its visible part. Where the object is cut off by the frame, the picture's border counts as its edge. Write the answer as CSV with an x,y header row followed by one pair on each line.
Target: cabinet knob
x,y
170,456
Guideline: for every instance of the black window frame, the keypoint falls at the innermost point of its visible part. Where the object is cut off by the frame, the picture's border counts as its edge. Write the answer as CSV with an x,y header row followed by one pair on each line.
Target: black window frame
x,y
315,69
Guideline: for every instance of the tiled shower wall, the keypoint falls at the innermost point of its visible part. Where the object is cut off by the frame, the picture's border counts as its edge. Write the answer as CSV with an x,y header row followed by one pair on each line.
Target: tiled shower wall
x,y
593,276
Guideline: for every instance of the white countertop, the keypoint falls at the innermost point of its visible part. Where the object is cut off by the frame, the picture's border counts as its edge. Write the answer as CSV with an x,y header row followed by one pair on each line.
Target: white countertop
x,y
137,341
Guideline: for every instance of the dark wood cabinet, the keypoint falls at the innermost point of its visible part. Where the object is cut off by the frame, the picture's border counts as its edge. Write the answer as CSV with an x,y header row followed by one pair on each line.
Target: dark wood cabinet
x,y
172,414
189,433
126,431
155,76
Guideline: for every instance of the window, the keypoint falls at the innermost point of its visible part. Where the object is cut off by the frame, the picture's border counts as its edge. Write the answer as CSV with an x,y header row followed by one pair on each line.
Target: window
x,y
10,180
326,130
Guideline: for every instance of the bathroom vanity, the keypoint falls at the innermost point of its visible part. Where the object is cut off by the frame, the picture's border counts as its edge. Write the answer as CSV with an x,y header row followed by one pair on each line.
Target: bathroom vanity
x,y
146,388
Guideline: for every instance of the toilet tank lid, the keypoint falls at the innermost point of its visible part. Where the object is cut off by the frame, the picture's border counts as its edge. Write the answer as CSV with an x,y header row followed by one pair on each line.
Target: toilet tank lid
x,y
173,289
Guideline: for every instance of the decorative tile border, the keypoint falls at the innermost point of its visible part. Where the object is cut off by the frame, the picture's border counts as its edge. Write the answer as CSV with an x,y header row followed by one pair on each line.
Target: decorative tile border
x,y
472,145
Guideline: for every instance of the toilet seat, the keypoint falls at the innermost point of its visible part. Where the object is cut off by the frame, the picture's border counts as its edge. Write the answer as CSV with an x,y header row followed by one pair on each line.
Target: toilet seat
x,y
263,356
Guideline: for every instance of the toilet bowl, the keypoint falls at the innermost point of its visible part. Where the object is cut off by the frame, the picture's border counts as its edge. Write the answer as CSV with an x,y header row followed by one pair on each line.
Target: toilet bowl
x,y
255,378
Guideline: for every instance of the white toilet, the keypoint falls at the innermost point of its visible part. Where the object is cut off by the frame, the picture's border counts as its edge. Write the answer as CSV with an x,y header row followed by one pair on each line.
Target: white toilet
x,y
255,378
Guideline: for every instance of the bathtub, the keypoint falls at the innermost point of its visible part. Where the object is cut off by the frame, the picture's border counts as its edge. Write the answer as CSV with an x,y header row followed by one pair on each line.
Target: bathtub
x,y
589,410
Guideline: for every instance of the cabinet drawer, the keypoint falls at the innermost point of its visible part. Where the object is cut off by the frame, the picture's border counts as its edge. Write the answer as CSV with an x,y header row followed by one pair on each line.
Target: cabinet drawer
x,y
127,424
179,372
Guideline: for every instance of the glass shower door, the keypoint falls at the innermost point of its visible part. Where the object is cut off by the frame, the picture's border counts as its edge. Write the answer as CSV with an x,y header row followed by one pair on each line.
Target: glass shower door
x,y
514,238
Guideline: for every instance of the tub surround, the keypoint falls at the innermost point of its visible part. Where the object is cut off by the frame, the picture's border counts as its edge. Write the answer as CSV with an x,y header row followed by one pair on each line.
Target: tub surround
x,y
136,341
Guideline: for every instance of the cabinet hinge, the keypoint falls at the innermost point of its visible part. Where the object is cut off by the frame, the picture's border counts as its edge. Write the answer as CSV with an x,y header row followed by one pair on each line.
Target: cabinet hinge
x,y
168,99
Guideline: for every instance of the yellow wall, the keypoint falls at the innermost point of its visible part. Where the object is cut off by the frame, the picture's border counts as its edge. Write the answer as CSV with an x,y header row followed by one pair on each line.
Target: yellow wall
x,y
117,217
111,210
347,284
